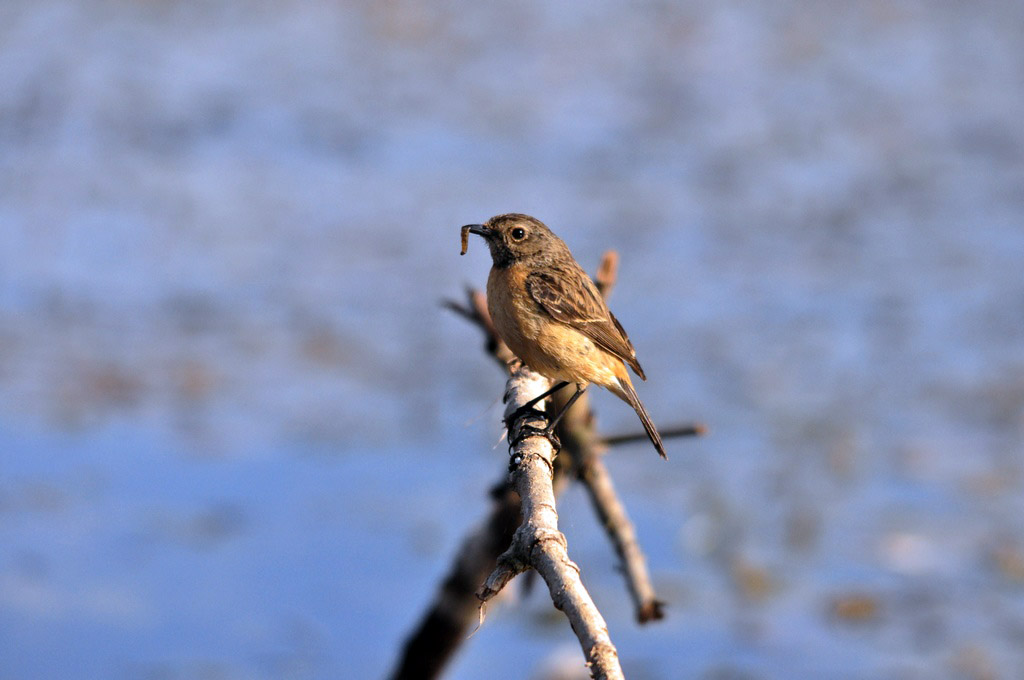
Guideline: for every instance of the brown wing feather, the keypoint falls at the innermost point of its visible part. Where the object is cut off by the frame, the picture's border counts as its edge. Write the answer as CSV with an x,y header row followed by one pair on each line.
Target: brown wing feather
x,y
570,297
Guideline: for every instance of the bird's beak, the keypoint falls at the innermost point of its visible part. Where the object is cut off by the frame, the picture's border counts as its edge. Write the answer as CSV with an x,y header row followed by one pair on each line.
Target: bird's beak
x,y
478,229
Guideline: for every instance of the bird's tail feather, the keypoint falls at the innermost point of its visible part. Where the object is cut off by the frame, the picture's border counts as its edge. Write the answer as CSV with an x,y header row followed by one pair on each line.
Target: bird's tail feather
x,y
629,395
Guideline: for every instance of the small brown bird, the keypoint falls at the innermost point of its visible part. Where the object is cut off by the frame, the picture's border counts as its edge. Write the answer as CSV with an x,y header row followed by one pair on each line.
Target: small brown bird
x,y
550,314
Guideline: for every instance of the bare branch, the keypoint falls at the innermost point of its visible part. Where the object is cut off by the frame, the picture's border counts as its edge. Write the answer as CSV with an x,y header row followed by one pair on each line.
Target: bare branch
x,y
613,517
538,543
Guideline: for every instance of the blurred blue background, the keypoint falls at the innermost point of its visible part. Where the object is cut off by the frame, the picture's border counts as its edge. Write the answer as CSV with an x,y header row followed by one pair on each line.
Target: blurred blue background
x,y
239,438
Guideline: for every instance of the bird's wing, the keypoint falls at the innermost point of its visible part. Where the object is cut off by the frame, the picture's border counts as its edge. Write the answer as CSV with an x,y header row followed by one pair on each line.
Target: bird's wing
x,y
570,297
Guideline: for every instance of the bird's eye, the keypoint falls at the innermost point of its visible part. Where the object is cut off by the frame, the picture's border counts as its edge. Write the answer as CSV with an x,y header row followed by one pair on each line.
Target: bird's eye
x,y
518,234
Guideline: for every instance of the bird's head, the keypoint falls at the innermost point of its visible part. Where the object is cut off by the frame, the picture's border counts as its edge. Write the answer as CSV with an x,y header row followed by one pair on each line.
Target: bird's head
x,y
517,238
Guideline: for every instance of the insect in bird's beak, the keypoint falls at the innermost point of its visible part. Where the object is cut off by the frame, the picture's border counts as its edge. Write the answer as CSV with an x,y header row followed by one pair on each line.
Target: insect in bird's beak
x,y
472,229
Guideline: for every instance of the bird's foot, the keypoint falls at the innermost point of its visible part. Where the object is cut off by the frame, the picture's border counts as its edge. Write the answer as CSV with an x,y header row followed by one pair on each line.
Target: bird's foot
x,y
530,431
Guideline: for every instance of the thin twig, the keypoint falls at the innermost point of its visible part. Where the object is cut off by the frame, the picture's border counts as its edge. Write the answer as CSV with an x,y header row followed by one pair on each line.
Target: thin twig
x,y
475,310
584,448
538,543
607,273
612,513
691,430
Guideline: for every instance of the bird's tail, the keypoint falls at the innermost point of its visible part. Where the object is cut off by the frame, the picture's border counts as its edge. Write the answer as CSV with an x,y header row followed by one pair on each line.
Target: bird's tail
x,y
626,392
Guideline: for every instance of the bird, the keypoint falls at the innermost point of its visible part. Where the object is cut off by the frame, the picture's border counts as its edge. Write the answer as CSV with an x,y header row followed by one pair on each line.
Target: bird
x,y
548,311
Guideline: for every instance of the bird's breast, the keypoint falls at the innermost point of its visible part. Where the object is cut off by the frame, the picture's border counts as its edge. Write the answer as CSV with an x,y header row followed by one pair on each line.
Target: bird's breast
x,y
515,315
553,349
